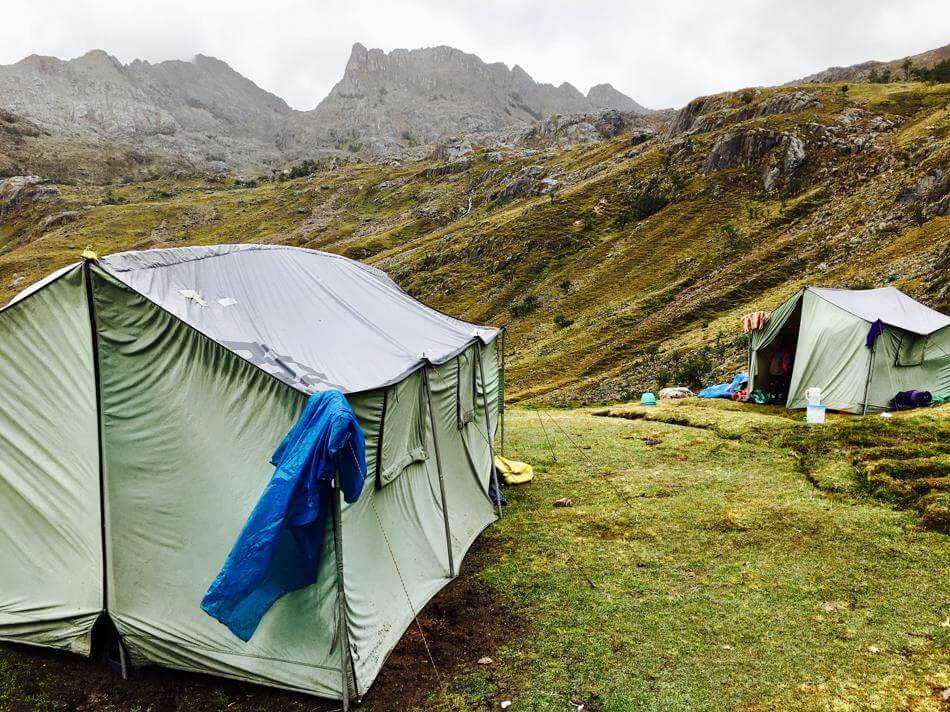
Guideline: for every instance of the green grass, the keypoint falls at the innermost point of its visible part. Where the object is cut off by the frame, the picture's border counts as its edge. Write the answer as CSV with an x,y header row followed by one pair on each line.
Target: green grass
x,y
716,557
705,572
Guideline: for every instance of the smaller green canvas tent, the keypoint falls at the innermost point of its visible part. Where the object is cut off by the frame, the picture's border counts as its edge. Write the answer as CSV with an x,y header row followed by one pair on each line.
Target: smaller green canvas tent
x,y
828,331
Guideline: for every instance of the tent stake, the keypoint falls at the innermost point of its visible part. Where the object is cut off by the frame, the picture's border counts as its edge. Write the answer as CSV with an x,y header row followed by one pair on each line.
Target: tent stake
x,y
123,661
491,448
341,592
438,467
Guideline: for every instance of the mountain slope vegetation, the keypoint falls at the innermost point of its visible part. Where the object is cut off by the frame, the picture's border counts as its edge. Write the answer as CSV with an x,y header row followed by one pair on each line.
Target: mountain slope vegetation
x,y
618,265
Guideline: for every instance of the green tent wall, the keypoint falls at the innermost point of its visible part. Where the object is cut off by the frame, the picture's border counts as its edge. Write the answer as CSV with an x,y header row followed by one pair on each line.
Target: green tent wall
x,y
187,428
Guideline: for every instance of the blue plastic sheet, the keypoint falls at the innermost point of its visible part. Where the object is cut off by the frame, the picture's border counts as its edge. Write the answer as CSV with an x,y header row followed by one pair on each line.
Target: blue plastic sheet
x,y
278,550
724,390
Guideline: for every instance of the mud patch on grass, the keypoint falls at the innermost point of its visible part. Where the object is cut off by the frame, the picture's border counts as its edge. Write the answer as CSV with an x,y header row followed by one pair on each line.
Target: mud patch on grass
x,y
464,621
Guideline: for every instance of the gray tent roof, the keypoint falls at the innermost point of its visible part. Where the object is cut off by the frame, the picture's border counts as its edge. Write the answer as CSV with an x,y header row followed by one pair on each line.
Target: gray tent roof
x,y
888,304
312,319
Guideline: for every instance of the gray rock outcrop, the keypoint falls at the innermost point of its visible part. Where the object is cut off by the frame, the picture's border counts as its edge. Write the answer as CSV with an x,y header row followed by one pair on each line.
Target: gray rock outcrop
x,y
778,155
20,191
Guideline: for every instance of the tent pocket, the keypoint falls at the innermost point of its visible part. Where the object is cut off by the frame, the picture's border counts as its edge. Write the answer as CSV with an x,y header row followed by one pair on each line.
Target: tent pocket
x,y
910,351
465,385
403,429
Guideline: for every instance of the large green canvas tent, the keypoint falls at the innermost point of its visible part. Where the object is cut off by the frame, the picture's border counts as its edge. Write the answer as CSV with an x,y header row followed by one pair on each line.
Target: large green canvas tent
x,y
141,397
828,331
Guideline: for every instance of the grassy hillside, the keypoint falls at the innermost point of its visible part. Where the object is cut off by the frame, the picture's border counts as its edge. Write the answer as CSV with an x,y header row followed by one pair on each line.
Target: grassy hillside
x,y
618,267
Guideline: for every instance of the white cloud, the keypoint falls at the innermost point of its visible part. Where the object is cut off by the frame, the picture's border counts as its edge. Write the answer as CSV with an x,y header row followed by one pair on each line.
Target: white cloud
x,y
660,53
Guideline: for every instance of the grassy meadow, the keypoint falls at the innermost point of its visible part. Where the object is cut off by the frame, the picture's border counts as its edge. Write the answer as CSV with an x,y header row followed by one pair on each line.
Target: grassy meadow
x,y
716,556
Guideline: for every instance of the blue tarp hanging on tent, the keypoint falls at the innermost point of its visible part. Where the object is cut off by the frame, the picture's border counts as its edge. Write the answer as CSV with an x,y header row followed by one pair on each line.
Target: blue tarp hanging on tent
x,y
278,550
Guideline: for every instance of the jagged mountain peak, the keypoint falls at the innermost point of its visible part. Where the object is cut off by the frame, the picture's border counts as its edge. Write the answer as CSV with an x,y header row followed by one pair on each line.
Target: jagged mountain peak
x,y
387,101
205,112
605,96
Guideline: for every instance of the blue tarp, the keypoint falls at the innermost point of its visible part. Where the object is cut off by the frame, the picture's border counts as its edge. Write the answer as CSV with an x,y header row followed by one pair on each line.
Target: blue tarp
x,y
724,390
278,550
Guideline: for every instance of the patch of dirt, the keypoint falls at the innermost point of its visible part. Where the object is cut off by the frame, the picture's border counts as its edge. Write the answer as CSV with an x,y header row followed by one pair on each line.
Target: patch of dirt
x,y
465,621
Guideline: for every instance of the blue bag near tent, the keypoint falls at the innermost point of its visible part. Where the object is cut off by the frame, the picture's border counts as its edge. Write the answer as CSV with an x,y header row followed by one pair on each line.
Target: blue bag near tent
x,y
724,390
278,550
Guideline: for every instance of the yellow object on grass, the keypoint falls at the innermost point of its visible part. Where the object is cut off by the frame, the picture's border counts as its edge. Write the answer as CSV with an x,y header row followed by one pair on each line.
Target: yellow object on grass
x,y
514,472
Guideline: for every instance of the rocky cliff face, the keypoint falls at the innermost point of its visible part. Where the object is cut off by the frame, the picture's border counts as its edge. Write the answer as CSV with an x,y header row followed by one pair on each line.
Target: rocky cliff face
x,y
202,111
387,103
202,116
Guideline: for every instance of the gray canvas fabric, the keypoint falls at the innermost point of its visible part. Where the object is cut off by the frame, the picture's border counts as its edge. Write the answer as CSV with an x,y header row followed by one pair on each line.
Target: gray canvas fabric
x,y
312,319
186,415
187,430
830,355
888,304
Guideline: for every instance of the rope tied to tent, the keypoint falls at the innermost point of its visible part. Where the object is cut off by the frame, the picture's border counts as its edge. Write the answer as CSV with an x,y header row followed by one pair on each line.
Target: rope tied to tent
x,y
546,438
405,590
620,494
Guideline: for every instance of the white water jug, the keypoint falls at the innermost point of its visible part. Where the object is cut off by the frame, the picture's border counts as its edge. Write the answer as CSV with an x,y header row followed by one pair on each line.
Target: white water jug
x,y
813,395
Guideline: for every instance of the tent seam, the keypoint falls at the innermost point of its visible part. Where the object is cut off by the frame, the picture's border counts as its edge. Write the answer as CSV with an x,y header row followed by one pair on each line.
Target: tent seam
x,y
97,378
210,649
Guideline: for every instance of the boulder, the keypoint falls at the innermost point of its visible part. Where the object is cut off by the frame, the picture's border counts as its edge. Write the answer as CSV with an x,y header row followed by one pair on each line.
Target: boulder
x,y
777,153
787,103
21,191
453,150
675,392
638,136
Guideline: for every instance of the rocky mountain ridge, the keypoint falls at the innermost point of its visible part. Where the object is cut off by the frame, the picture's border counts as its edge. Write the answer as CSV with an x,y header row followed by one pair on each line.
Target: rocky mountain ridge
x,y
405,98
903,68
202,116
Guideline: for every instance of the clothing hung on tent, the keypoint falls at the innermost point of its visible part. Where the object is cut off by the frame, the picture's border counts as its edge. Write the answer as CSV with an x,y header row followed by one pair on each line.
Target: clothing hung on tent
x,y
278,550
142,396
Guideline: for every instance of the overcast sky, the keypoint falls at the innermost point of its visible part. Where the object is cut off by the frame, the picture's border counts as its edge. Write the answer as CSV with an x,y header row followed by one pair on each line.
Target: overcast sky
x,y
662,53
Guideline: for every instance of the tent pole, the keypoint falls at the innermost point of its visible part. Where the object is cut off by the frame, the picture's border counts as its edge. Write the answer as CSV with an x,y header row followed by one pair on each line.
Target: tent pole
x,y
438,466
501,404
491,447
341,592
867,384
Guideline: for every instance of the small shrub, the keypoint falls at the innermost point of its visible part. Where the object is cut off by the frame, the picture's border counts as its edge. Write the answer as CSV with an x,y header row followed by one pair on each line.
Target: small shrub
x,y
528,304
939,73
566,286
692,369
747,96
302,169
643,206
562,322
732,235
